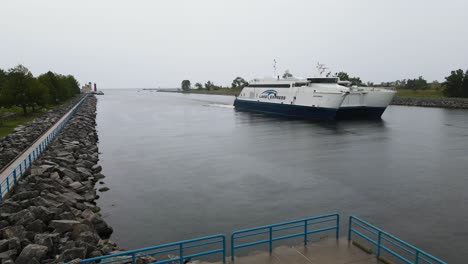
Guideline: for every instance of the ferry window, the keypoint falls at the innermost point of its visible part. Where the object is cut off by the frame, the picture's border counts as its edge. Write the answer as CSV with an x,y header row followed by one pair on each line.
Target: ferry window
x,y
300,84
270,85
323,80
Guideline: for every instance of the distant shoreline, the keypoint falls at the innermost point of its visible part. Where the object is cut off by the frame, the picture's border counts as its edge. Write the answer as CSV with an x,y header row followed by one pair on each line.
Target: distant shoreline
x,y
440,102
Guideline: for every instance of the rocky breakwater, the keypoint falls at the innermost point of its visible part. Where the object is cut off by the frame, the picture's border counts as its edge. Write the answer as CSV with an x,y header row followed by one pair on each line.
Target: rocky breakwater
x,y
51,216
24,135
455,103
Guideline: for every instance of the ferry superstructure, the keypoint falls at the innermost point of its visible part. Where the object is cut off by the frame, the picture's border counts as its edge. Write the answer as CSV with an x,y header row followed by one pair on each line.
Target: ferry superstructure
x,y
316,98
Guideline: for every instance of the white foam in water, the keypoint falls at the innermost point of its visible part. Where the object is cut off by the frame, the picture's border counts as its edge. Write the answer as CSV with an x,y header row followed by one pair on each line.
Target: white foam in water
x,y
221,105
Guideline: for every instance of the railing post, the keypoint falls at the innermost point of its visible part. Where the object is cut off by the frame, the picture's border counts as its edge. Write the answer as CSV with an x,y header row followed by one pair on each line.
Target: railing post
x,y
416,260
14,175
21,168
337,226
378,243
133,258
29,156
232,247
8,183
349,227
305,232
271,239
181,253
224,249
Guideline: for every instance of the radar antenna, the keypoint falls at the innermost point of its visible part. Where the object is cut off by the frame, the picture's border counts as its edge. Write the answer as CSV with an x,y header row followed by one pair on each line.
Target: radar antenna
x,y
321,68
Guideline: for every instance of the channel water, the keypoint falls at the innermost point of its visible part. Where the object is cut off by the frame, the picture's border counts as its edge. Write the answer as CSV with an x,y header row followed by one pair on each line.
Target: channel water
x,y
181,166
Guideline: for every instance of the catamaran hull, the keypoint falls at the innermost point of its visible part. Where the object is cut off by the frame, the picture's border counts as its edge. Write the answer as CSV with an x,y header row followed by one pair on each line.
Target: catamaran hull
x,y
289,110
348,113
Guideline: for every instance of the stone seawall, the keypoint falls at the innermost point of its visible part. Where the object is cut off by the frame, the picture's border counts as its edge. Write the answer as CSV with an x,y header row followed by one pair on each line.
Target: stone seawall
x,y
456,103
51,216
24,135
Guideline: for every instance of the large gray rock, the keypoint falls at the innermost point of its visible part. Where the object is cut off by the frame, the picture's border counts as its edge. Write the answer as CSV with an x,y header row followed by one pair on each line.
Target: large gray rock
x,y
88,237
14,243
23,217
75,185
44,240
30,252
42,213
73,253
9,254
13,231
3,245
62,226
40,201
96,168
36,226
9,207
71,174
25,195
78,229
84,172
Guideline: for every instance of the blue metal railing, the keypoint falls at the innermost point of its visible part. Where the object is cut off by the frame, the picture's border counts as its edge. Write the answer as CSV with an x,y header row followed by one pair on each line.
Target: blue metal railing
x,y
271,229
7,184
383,241
180,248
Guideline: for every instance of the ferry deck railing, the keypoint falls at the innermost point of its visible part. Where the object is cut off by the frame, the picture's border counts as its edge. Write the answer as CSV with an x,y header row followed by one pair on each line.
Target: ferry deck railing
x,y
10,180
303,224
179,248
385,242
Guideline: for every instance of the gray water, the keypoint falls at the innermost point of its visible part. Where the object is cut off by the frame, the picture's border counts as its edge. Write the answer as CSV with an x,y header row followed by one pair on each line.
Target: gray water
x,y
181,166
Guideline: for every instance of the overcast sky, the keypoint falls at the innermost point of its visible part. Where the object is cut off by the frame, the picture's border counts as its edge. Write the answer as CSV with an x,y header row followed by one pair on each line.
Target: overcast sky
x,y
125,44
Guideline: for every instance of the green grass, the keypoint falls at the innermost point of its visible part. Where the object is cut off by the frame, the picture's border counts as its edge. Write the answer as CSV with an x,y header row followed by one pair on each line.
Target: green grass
x,y
8,126
419,93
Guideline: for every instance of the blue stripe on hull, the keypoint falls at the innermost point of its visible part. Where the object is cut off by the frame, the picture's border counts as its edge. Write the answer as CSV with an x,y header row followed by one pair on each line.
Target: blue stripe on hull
x,y
346,113
315,113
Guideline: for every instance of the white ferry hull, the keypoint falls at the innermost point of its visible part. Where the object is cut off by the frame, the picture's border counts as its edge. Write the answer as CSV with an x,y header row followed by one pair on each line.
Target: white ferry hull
x,y
300,102
368,103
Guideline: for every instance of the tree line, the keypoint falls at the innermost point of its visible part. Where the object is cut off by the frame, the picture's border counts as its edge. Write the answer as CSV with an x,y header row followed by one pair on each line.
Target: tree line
x,y
455,85
18,87
237,83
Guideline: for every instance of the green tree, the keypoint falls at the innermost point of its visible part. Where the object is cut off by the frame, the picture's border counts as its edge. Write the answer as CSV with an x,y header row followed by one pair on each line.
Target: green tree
x,y
3,78
199,86
185,85
209,85
50,80
343,76
38,94
287,74
239,83
16,90
435,85
456,84
417,84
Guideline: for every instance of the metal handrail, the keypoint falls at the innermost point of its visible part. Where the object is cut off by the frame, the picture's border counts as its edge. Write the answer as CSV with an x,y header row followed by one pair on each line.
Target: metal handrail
x,y
178,247
418,255
270,229
7,184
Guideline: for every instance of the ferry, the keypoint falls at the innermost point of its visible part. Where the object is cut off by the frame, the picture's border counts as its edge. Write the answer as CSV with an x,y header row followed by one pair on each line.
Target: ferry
x,y
317,98
364,102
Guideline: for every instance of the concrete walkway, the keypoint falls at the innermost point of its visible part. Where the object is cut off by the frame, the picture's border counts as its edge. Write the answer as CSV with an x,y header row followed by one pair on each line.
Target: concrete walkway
x,y
6,171
326,251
